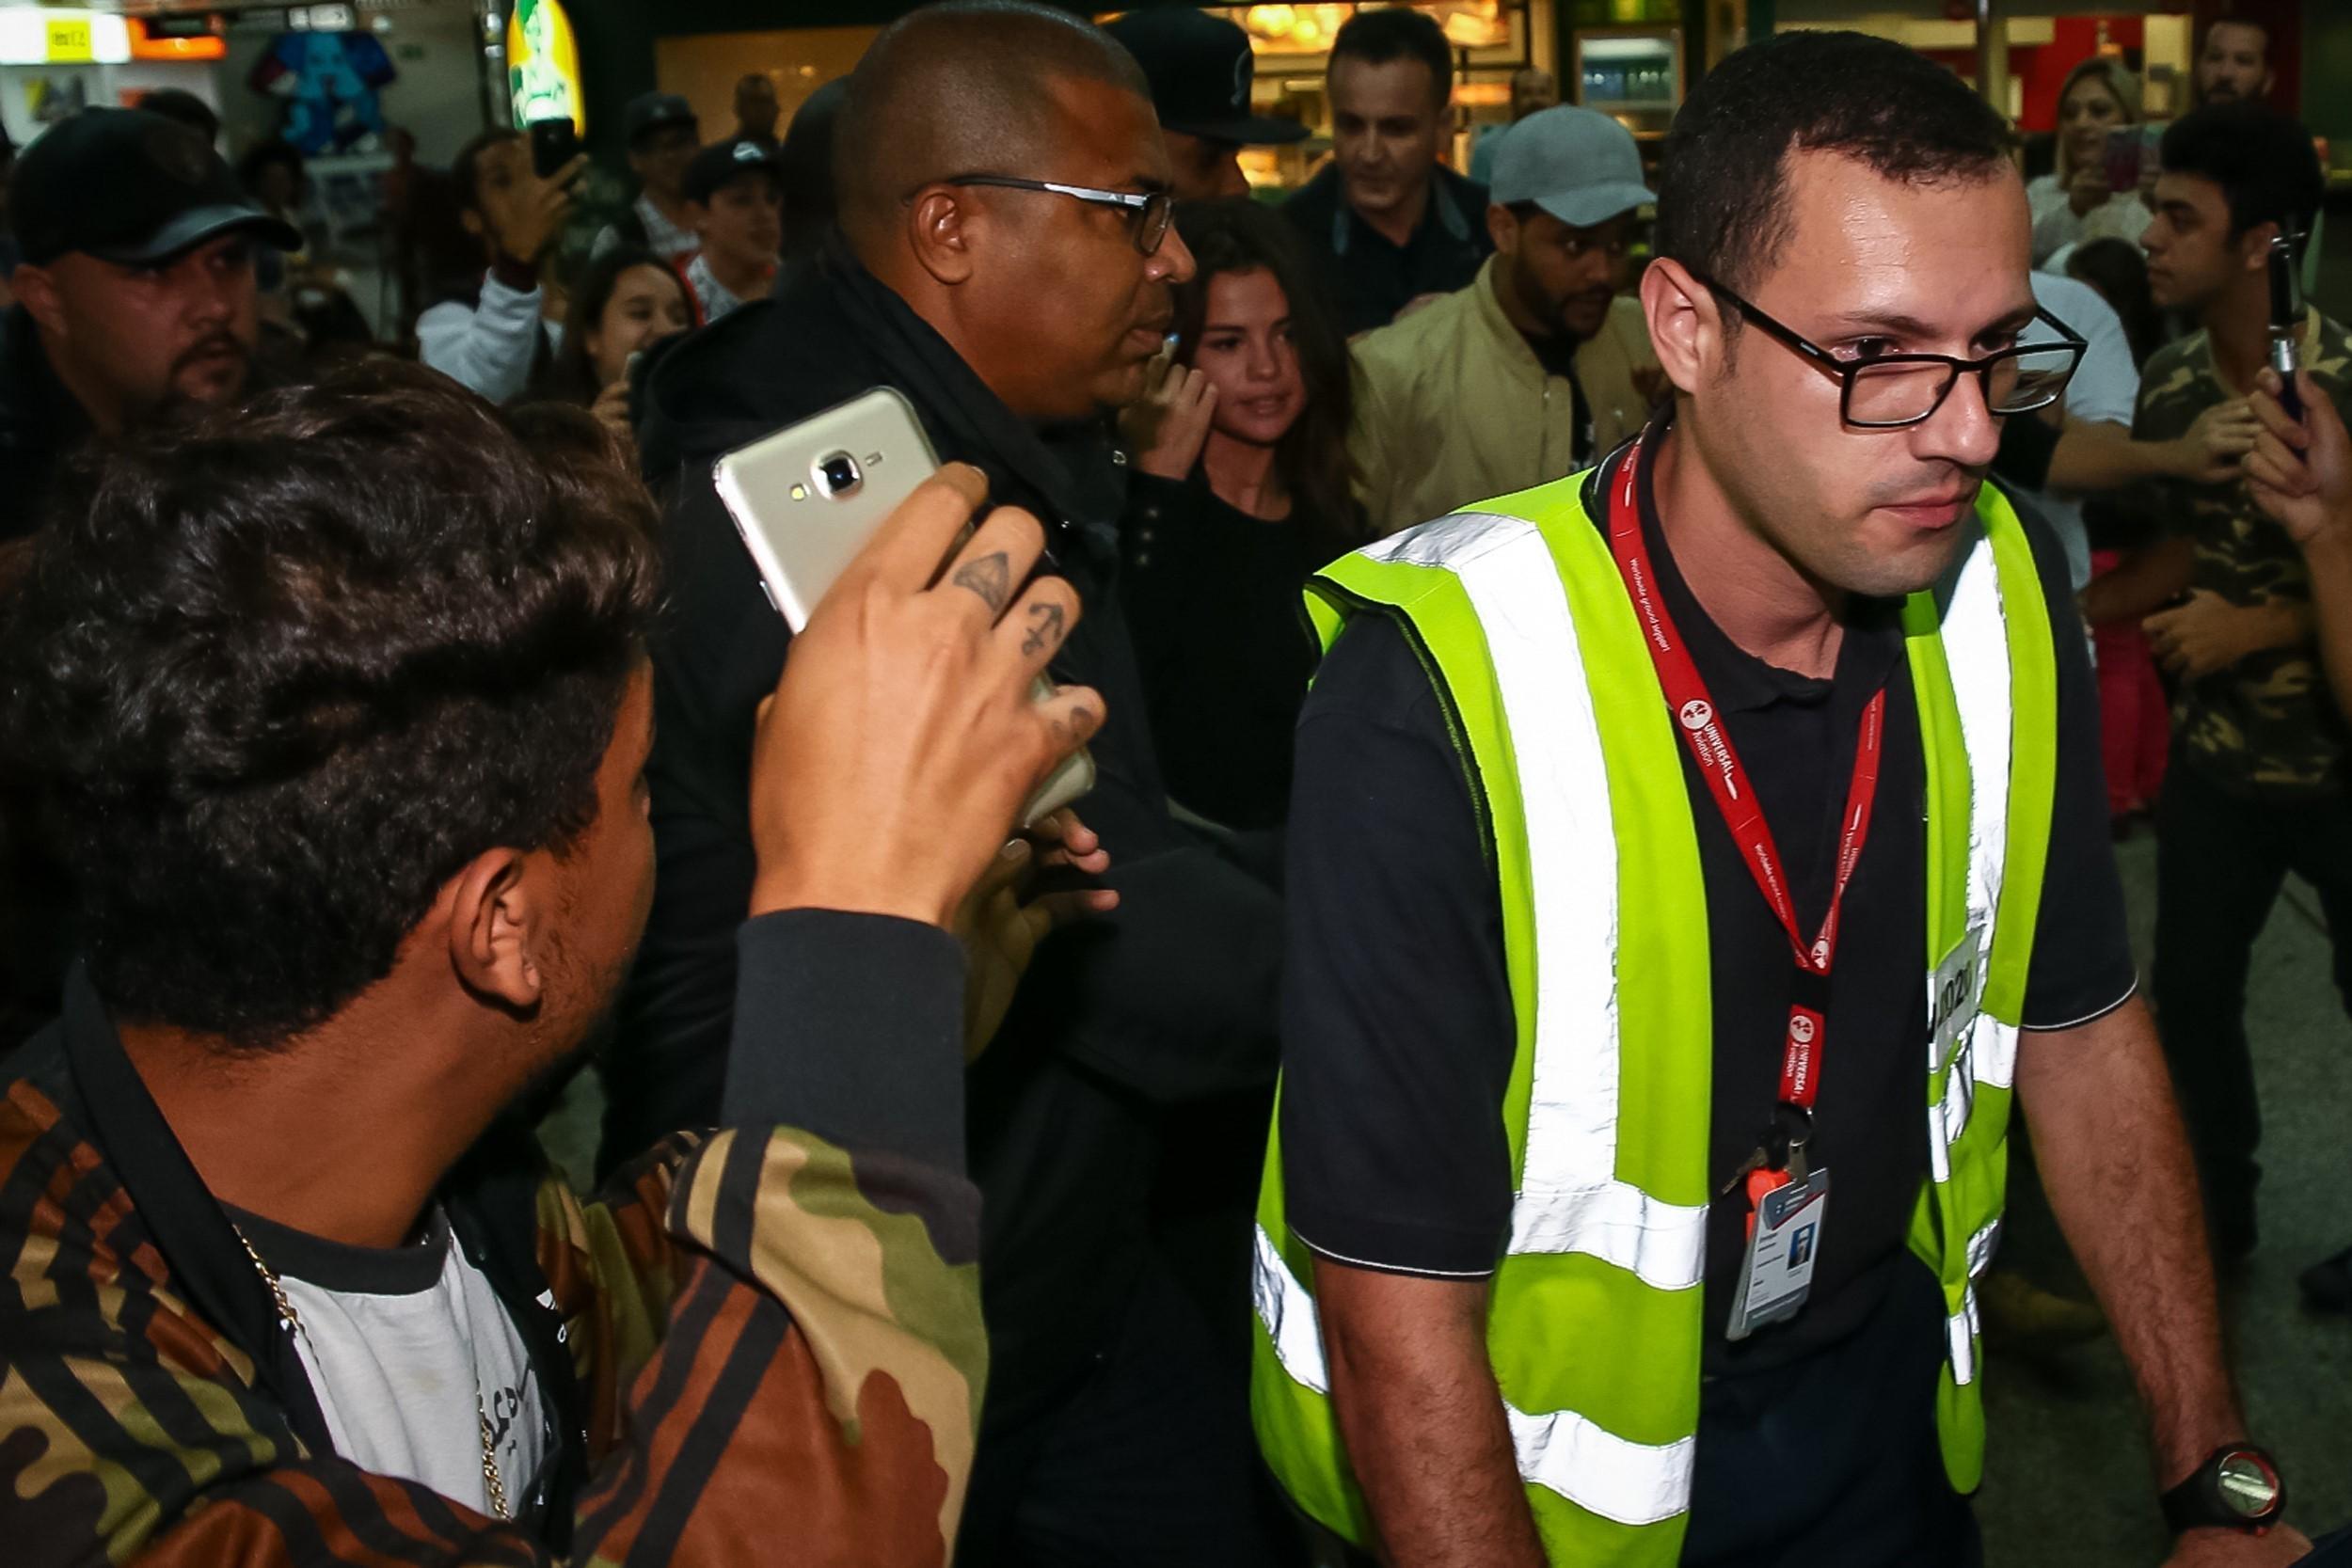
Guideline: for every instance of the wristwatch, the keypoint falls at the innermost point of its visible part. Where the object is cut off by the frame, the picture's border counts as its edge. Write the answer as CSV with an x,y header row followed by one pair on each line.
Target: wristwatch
x,y
2238,1487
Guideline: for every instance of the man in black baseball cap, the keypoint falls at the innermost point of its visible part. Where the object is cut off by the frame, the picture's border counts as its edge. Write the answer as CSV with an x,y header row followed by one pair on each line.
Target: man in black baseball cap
x,y
136,292
134,295
1200,69
735,195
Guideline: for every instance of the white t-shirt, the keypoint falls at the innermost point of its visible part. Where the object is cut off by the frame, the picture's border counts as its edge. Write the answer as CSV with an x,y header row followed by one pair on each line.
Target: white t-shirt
x,y
2105,387
715,298
2121,216
399,1343
662,237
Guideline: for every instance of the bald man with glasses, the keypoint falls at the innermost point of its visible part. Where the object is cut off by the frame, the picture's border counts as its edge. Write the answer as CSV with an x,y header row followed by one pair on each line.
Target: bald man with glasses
x,y
1004,260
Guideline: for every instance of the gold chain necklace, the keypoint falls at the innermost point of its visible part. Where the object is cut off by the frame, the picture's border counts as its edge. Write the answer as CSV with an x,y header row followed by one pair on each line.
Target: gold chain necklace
x,y
493,1483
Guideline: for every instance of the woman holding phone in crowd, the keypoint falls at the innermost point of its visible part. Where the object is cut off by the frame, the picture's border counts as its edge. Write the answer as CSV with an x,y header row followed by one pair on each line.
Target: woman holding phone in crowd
x,y
1243,486
627,300
2080,201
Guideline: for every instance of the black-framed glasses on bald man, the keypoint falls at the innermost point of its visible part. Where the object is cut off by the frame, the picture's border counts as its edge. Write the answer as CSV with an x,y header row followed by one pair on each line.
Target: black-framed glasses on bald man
x,y
1146,212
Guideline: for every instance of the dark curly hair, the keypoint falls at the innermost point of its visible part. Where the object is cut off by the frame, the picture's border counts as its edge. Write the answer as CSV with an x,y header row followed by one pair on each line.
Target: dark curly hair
x,y
1723,182
274,676
2265,163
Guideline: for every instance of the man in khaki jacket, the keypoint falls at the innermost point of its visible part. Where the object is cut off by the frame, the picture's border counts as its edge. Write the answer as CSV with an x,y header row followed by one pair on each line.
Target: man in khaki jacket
x,y
1538,368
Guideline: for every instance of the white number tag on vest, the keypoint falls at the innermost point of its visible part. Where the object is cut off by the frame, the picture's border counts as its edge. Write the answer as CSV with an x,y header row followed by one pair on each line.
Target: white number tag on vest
x,y
1781,1251
1955,993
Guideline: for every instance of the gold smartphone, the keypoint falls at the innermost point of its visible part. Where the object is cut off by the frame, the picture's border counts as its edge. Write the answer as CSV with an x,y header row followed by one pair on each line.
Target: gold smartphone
x,y
807,498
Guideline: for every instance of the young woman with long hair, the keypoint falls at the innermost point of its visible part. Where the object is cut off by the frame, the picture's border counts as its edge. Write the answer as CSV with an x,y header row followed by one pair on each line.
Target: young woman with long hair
x,y
2076,201
1243,486
628,299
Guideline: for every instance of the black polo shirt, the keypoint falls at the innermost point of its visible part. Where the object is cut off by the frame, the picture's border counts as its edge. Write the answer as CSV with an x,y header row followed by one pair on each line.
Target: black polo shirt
x,y
1372,278
1397,1018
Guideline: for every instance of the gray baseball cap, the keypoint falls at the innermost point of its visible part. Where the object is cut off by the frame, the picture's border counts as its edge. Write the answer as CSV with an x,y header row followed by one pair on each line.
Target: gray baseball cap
x,y
1576,164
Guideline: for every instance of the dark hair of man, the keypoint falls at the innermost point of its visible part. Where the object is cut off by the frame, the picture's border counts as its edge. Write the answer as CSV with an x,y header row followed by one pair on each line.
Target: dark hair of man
x,y
1241,235
1723,183
465,171
962,87
2118,270
263,154
1378,38
2255,23
2265,163
184,106
276,677
804,168
570,376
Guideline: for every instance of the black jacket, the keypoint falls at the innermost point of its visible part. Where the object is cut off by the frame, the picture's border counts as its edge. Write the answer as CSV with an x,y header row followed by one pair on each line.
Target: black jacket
x,y
40,423
1169,1000
1371,279
1216,599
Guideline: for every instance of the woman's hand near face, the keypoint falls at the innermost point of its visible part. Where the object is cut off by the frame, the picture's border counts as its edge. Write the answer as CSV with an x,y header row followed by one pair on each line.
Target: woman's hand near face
x,y
1171,424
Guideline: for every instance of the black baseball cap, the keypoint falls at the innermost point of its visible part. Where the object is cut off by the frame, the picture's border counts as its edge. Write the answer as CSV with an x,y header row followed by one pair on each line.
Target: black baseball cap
x,y
1199,68
651,111
723,163
131,187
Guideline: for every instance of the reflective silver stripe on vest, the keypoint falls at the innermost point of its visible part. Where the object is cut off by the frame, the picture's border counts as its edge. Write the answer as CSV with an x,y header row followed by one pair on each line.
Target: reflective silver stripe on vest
x,y
1288,1313
1960,1328
1975,644
1633,1483
1981,1246
1569,1198
1976,648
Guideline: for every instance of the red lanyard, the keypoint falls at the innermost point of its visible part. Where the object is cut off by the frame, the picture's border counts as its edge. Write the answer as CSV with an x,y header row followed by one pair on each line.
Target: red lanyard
x,y
1727,780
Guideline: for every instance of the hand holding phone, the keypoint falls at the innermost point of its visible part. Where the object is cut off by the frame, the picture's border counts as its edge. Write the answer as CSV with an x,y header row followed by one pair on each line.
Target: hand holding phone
x,y
887,768
523,207
2125,149
2286,317
808,499
2300,468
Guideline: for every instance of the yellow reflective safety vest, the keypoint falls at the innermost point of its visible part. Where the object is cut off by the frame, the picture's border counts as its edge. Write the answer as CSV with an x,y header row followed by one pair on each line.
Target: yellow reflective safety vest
x,y
1519,613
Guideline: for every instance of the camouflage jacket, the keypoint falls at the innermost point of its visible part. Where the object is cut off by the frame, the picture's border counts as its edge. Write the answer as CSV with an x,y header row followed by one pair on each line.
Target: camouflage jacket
x,y
2266,725
761,1345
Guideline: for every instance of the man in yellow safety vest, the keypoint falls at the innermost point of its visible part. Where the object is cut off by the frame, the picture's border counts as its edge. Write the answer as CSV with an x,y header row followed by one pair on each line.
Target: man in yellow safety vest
x,y
1672,838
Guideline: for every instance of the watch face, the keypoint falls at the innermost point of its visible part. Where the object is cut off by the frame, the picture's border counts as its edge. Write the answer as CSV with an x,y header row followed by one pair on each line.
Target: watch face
x,y
2249,1487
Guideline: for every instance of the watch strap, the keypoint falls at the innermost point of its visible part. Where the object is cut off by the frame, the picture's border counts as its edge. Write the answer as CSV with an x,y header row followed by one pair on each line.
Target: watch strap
x,y
2197,1503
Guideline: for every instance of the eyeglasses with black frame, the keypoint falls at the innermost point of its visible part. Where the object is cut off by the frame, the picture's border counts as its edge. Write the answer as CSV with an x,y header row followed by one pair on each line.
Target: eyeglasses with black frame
x,y
1148,212
1890,392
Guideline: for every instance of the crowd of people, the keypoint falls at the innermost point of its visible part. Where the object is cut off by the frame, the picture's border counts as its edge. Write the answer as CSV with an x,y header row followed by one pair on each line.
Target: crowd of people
x,y
383,745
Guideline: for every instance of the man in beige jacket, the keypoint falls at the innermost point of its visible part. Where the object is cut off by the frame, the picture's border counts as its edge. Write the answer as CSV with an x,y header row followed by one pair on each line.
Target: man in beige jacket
x,y
1539,367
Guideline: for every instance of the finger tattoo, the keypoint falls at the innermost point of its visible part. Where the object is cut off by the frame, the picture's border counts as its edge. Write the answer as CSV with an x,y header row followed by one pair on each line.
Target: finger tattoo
x,y
990,576
1045,624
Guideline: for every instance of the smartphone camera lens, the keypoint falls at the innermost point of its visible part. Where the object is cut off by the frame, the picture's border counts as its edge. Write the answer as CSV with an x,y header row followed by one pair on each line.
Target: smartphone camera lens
x,y
839,475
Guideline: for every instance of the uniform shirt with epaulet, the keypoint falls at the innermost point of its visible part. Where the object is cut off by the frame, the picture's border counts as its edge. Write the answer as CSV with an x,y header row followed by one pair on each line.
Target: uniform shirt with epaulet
x,y
1398,1031
1370,275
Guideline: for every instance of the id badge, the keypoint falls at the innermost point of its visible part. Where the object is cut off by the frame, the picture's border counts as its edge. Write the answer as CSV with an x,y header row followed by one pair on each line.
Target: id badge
x,y
1787,1243
1956,995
